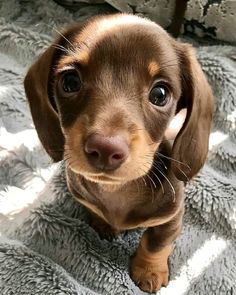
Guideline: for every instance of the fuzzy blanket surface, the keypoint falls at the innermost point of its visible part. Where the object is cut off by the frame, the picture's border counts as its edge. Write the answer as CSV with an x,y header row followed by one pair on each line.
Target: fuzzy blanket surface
x,y
46,243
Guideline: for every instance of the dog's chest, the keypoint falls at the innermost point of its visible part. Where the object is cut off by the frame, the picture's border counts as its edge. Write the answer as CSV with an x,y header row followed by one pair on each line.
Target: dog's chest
x,y
125,210
113,208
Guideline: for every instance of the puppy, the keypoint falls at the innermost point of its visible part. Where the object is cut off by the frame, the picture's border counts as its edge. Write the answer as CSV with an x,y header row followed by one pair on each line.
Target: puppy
x,y
102,99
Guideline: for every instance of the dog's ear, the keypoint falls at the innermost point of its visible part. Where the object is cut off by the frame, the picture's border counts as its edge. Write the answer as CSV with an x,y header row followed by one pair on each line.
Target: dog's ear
x,y
191,144
44,116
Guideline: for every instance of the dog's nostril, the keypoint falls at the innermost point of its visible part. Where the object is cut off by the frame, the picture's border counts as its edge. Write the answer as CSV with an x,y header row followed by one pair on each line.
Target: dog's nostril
x,y
117,157
94,154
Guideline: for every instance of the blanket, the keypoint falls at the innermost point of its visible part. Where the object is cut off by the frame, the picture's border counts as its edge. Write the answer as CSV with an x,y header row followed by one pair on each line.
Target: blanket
x,y
46,243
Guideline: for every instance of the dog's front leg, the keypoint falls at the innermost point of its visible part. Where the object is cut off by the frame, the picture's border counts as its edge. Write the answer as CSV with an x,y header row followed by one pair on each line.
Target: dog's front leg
x,y
149,266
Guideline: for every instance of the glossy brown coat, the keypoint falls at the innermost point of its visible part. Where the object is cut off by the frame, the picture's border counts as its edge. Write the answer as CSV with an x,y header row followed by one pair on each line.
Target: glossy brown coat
x,y
119,58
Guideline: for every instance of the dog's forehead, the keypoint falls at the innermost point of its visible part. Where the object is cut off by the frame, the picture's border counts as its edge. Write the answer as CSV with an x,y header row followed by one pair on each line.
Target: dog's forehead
x,y
123,34
124,38
104,25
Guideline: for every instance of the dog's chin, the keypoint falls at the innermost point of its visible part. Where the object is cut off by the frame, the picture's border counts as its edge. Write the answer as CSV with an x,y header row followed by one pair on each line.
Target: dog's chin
x,y
105,179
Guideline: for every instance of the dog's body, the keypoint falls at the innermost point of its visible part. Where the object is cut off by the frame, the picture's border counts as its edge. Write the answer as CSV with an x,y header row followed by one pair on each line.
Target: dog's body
x,y
102,99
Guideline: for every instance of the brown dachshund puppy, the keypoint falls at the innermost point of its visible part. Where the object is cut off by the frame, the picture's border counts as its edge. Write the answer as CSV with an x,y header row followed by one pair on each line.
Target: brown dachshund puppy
x,y
102,98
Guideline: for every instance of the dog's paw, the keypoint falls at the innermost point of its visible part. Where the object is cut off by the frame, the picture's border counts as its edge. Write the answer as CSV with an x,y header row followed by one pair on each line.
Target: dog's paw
x,y
148,277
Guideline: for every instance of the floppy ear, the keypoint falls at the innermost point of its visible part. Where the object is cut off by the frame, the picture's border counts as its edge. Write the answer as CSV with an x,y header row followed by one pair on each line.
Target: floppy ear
x,y
44,116
191,144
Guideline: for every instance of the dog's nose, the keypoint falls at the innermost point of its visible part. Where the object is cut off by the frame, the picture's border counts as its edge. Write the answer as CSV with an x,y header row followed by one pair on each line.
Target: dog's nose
x,y
106,153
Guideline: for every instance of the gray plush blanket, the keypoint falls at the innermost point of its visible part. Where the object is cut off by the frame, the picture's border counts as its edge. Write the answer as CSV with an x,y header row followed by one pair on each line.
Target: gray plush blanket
x,y
46,244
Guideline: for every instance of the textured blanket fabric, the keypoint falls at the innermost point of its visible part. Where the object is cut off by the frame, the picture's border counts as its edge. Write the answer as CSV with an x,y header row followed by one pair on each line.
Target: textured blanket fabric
x,y
46,243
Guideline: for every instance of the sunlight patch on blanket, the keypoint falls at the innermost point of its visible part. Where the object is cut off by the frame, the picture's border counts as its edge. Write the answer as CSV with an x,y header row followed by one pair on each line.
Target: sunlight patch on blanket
x,y
196,265
216,138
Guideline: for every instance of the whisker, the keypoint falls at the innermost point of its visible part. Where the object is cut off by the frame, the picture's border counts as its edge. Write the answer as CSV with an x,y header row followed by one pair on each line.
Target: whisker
x,y
169,183
151,181
151,186
63,49
145,183
183,173
64,37
143,177
162,162
158,180
172,159
157,165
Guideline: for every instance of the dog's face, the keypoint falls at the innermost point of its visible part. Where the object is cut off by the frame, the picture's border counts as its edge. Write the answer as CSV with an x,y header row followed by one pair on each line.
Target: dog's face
x,y
116,90
107,92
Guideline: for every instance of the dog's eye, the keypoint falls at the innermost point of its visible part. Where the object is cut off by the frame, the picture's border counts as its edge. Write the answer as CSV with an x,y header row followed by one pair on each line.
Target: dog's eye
x,y
71,82
159,95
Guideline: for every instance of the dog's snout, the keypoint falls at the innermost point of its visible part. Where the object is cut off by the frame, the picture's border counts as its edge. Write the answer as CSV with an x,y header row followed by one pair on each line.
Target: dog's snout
x,y
106,153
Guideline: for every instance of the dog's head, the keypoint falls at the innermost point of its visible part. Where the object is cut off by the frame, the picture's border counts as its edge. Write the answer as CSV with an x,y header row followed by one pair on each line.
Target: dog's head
x,y
105,93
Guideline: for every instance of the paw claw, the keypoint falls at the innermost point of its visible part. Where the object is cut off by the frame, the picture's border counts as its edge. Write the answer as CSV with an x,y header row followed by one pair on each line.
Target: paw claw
x,y
149,278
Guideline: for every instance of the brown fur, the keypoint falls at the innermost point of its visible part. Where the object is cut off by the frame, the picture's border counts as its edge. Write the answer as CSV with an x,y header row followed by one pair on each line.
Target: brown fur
x,y
119,58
